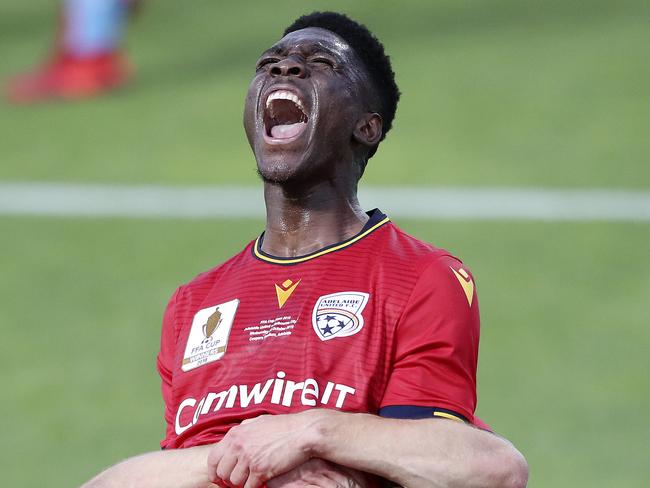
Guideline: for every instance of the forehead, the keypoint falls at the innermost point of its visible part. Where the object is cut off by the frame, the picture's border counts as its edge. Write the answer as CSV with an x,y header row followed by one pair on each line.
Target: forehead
x,y
315,39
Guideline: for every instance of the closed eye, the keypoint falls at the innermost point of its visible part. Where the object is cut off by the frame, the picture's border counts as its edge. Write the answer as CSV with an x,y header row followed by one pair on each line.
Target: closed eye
x,y
322,60
265,62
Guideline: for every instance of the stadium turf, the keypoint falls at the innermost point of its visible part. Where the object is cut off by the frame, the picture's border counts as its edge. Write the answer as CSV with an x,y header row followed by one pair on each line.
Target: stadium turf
x,y
497,92
563,366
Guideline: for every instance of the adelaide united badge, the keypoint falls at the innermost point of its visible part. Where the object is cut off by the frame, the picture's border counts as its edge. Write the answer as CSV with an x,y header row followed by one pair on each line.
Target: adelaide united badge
x,y
339,314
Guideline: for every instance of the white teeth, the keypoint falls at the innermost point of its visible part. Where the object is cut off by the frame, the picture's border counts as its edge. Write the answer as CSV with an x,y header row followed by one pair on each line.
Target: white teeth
x,y
284,95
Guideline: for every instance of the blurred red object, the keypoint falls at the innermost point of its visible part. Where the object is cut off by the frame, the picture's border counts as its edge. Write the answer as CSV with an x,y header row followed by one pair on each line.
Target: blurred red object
x,y
87,57
67,77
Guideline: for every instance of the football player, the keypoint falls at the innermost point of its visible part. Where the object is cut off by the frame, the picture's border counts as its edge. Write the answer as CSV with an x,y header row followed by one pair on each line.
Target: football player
x,y
335,349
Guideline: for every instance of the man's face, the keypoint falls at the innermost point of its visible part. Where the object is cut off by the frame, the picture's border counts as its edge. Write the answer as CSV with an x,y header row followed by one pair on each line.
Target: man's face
x,y
303,104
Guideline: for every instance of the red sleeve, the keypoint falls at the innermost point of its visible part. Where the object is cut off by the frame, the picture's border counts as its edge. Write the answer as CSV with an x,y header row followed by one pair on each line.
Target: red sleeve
x,y
165,364
437,340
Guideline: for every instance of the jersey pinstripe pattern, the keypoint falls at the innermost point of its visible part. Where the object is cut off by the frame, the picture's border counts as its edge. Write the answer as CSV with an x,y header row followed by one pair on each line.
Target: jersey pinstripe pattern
x,y
415,342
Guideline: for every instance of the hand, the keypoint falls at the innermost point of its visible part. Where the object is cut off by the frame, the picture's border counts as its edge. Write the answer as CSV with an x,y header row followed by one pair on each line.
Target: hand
x,y
319,473
260,449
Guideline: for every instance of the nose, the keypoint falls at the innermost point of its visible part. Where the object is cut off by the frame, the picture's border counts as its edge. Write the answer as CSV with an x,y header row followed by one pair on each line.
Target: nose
x,y
288,67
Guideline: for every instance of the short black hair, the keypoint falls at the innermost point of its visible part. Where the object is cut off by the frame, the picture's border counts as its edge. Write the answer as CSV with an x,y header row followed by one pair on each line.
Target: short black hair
x,y
370,51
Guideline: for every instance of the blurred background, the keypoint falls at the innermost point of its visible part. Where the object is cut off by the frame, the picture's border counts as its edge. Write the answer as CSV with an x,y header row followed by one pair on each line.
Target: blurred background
x,y
498,94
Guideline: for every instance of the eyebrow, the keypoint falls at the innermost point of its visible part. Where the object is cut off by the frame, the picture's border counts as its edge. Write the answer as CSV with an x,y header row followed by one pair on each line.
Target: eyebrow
x,y
313,48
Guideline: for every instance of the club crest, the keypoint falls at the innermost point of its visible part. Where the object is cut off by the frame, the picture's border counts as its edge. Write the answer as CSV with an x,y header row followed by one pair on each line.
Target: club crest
x,y
339,314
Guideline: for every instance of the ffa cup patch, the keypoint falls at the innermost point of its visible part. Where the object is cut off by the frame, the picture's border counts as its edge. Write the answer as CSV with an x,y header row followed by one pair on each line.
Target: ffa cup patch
x,y
339,314
209,335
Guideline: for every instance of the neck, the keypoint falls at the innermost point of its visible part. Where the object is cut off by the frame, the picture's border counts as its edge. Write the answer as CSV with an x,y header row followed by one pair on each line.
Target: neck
x,y
299,222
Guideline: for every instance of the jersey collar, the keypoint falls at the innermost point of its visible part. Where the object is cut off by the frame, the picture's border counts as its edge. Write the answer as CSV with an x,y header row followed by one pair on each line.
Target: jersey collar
x,y
376,219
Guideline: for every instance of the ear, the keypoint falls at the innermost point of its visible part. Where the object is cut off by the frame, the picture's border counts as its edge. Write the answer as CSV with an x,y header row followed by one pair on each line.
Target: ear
x,y
368,130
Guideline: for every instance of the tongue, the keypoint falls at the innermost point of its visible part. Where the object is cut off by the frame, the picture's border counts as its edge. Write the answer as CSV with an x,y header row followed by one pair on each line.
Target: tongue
x,y
287,131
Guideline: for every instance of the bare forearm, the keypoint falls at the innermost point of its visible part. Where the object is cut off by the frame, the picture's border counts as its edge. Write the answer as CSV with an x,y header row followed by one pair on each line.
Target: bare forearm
x,y
433,453
177,468
187,468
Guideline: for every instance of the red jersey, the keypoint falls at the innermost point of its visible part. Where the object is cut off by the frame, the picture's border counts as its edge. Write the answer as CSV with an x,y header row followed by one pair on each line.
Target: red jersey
x,y
380,323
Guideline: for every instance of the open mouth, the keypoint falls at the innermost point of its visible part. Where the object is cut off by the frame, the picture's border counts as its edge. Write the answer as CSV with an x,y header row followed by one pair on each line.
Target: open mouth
x,y
285,116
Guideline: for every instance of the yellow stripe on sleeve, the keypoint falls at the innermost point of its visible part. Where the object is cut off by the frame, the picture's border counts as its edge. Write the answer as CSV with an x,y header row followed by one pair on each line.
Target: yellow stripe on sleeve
x,y
448,416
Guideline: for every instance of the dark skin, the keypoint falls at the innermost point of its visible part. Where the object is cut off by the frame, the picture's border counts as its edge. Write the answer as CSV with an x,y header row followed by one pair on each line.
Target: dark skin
x,y
310,180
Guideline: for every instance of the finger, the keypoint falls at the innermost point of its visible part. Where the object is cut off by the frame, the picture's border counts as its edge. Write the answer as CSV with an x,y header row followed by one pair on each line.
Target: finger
x,y
253,481
239,474
225,467
214,457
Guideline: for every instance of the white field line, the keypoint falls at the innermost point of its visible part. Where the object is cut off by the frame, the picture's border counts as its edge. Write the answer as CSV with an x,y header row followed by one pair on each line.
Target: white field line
x,y
89,200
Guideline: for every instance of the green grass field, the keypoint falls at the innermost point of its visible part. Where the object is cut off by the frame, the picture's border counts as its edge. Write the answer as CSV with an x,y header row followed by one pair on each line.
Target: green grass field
x,y
505,93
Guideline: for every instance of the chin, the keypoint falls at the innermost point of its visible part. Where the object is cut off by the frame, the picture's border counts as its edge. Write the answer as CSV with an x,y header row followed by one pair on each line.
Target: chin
x,y
282,166
277,171
274,175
